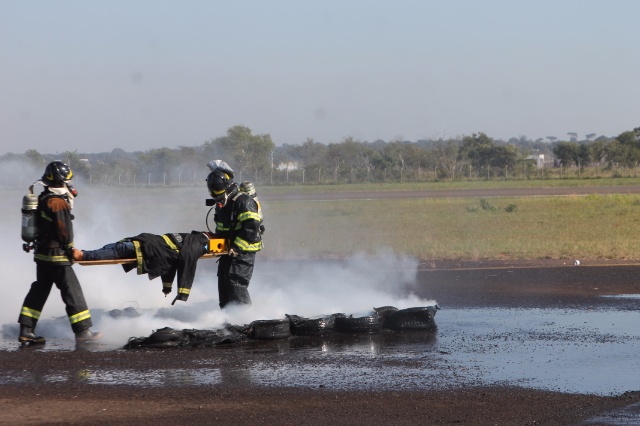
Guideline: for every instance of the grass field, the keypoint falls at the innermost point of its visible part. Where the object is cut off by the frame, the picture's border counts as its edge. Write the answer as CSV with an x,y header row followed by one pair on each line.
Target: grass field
x,y
573,227
449,185
555,227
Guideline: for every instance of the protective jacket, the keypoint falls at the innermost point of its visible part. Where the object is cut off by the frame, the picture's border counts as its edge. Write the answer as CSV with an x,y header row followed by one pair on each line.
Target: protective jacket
x,y
239,221
55,230
167,255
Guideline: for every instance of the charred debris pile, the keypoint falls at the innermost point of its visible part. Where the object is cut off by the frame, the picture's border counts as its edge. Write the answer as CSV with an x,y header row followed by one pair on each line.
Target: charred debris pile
x,y
386,318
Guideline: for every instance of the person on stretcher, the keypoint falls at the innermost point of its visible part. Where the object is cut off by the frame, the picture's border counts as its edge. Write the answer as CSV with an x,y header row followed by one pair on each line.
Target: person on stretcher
x,y
162,256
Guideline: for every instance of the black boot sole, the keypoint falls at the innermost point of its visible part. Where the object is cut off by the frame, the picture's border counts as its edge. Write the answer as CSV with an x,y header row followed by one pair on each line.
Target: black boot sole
x,y
31,340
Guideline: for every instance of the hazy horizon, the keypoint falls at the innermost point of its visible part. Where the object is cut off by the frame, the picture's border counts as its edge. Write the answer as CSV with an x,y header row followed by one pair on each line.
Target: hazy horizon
x,y
91,77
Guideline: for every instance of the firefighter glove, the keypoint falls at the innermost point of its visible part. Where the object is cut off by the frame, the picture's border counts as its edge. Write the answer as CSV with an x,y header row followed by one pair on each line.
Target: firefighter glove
x,y
69,253
232,252
166,291
181,297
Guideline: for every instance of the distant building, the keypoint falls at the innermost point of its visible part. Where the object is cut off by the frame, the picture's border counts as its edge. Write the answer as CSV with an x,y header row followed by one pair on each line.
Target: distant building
x,y
538,158
288,166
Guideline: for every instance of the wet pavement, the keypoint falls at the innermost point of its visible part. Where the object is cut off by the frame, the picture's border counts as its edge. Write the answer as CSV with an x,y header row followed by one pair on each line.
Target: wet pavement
x,y
577,335
575,351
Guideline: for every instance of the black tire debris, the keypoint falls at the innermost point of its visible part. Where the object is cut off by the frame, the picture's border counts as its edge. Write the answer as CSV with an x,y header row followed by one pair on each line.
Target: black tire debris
x,y
365,324
166,334
418,318
302,326
270,329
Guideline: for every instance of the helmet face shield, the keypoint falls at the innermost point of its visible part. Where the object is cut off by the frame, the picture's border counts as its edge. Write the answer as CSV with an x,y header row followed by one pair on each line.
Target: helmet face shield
x,y
218,183
219,196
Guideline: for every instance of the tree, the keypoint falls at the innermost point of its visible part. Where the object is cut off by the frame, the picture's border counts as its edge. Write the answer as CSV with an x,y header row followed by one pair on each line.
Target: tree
x,y
312,155
446,156
583,156
481,151
34,158
396,154
598,151
351,154
159,162
244,151
629,138
74,160
629,148
566,152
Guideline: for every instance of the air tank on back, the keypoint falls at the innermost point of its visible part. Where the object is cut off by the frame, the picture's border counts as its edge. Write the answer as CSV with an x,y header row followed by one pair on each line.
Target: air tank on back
x,y
29,206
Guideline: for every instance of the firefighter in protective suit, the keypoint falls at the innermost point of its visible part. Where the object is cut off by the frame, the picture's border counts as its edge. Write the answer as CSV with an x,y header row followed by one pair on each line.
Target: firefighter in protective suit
x,y
53,256
238,219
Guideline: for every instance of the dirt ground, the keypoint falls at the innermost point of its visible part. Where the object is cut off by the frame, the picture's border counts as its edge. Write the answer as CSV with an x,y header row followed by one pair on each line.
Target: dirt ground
x,y
227,402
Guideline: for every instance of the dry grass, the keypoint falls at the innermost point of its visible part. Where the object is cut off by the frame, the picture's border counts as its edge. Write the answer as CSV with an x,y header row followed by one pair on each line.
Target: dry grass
x,y
558,227
595,226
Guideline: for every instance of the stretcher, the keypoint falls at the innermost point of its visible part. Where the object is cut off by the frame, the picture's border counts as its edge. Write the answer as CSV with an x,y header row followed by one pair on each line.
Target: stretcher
x,y
217,248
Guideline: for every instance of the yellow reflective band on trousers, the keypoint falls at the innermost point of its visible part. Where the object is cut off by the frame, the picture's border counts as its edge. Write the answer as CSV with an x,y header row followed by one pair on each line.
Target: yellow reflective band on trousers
x,y
246,246
220,227
169,242
167,285
184,291
28,312
80,316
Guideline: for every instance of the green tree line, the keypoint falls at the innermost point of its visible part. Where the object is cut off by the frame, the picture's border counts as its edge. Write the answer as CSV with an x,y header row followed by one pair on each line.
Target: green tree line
x,y
257,158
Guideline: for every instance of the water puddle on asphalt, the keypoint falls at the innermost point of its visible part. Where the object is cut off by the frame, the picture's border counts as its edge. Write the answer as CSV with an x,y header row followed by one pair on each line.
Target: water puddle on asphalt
x,y
565,350
622,296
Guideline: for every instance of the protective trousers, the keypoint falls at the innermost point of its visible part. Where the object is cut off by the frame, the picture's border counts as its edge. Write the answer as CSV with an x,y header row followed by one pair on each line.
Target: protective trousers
x,y
65,279
234,275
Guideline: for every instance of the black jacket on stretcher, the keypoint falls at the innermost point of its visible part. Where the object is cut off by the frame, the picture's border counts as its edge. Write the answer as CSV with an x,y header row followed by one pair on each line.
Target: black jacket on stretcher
x,y
167,255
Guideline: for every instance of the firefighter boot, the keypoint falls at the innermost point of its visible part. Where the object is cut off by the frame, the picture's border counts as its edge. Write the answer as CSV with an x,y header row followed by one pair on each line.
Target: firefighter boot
x,y
88,336
27,335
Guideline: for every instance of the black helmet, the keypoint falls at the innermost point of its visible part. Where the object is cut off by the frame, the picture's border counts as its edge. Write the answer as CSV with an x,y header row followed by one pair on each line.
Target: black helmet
x,y
56,174
218,183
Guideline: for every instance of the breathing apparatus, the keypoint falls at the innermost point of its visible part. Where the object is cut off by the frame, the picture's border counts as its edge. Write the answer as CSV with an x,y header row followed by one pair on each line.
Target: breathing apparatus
x,y
29,228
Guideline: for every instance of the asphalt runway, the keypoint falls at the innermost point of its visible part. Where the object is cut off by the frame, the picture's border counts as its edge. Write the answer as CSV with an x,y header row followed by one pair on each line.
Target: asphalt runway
x,y
558,334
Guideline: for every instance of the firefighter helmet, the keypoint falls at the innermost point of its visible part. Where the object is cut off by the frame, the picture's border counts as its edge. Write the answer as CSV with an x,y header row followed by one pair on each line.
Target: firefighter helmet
x,y
218,183
56,174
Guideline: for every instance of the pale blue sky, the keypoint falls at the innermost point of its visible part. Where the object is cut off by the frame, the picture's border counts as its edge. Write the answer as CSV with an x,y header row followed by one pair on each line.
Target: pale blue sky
x,y
93,76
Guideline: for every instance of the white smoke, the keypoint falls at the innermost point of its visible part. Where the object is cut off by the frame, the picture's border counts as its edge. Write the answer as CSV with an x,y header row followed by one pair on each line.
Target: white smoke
x,y
305,288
